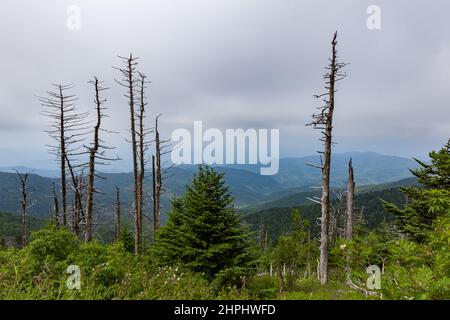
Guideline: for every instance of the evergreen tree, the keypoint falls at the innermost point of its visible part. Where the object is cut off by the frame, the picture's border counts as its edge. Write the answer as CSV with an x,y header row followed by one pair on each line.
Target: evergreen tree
x,y
425,204
204,233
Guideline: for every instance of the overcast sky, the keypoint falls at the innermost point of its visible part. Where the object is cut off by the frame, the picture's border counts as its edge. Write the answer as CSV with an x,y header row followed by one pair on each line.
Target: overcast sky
x,y
233,64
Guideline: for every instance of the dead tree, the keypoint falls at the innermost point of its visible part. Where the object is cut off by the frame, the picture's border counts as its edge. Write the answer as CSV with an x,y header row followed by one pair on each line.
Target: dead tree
x,y
142,151
97,155
24,191
57,216
337,208
129,81
157,180
155,216
117,228
162,147
324,122
66,128
350,202
77,208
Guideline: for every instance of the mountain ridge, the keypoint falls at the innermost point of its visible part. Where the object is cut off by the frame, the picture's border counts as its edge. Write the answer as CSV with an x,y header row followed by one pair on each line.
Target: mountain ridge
x,y
246,184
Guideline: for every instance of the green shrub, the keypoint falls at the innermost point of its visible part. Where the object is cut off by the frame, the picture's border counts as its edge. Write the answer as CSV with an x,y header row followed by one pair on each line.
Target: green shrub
x,y
264,287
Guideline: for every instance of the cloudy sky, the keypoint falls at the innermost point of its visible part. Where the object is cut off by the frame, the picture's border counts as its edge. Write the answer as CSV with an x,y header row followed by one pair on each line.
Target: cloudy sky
x,y
233,64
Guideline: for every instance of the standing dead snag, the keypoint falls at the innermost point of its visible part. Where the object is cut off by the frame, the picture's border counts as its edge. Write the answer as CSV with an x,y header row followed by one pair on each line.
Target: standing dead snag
x,y
157,180
97,156
161,148
130,83
143,148
66,126
77,187
324,122
57,217
155,216
93,151
350,202
24,190
336,216
117,228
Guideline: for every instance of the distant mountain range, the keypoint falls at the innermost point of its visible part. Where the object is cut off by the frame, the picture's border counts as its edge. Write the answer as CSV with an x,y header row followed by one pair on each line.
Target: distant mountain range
x,y
369,167
246,184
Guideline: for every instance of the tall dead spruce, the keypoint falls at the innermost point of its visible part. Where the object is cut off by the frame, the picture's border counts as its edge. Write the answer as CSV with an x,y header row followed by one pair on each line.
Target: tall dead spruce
x,y
324,121
77,189
159,175
67,130
350,202
130,82
144,146
24,205
97,155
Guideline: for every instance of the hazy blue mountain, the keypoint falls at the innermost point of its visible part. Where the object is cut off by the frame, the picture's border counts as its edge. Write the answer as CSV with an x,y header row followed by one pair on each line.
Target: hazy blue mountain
x,y
40,172
369,167
246,184
246,187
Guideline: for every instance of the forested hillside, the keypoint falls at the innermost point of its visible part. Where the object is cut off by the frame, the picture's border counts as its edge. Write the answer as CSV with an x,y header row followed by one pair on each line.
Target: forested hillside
x,y
277,219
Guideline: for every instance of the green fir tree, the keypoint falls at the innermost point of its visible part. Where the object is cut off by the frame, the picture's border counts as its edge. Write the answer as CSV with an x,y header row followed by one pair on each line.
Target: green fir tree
x,y
425,204
204,234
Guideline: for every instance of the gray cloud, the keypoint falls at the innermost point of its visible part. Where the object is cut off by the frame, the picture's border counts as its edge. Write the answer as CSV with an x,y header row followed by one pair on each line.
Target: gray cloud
x,y
234,63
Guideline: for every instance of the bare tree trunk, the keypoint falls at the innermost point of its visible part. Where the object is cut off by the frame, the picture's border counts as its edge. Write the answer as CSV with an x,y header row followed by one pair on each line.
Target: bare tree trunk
x,y
158,179
24,205
350,202
137,240
129,82
92,155
324,122
143,147
55,207
90,196
78,206
117,230
323,266
131,88
63,158
155,218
